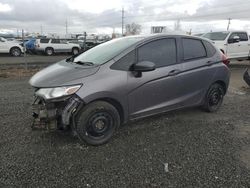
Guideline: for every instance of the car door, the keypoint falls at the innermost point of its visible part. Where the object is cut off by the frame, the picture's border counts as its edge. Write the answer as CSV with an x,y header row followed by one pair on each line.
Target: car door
x,y
157,90
65,46
55,44
3,46
198,65
240,48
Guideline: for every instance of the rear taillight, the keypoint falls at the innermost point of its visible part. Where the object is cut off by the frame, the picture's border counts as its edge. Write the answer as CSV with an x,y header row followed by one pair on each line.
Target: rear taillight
x,y
225,59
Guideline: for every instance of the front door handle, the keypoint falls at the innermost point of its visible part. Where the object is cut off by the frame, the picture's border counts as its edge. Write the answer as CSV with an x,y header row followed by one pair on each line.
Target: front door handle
x,y
174,72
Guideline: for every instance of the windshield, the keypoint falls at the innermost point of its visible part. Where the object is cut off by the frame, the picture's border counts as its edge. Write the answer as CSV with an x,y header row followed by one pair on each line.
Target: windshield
x,y
216,35
108,50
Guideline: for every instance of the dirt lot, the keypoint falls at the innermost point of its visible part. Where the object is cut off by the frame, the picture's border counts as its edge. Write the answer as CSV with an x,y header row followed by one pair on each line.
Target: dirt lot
x,y
201,149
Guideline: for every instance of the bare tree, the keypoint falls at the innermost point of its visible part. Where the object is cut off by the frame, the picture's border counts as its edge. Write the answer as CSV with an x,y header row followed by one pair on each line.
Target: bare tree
x,y
133,29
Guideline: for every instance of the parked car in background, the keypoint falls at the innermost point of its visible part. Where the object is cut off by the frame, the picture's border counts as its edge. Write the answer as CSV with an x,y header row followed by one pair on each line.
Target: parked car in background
x,y
234,44
129,78
11,47
88,45
51,46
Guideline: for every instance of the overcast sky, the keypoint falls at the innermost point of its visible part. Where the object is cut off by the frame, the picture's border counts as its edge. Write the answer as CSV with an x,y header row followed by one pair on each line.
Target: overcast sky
x,y
97,16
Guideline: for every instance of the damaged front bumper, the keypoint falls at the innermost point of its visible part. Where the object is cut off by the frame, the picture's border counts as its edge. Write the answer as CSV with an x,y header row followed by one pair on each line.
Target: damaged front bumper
x,y
55,114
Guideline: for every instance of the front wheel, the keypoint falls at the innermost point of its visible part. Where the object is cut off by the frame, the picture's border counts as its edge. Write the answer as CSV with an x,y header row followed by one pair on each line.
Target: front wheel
x,y
97,122
214,98
15,51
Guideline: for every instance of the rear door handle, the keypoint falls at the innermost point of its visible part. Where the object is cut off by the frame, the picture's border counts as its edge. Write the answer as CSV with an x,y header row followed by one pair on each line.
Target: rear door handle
x,y
174,72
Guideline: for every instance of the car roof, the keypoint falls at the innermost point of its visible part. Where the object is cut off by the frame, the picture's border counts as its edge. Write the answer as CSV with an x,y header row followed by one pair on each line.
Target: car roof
x,y
227,31
149,37
161,35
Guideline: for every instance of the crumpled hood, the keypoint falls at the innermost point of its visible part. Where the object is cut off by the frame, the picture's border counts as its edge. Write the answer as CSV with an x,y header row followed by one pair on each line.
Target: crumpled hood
x,y
60,73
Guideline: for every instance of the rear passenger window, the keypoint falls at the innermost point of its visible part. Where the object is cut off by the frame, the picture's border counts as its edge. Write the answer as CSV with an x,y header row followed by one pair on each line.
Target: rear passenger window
x,y
161,52
193,48
209,48
44,40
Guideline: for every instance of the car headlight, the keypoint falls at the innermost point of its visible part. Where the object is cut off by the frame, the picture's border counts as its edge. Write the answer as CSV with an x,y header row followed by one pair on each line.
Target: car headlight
x,y
51,93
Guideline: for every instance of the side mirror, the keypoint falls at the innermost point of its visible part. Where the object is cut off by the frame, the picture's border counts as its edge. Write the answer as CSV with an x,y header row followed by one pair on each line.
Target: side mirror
x,y
236,39
143,66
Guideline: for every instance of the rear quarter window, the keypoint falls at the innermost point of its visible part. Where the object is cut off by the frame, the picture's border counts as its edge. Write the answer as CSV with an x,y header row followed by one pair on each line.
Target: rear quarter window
x,y
55,41
209,48
193,49
44,40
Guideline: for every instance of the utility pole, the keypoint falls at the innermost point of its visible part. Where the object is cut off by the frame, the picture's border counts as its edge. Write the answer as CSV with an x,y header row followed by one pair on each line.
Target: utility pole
x,y
41,30
66,24
84,41
25,62
229,22
190,31
122,20
113,34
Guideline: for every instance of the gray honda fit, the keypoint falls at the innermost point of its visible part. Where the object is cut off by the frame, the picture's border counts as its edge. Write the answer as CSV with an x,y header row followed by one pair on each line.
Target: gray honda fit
x,y
128,78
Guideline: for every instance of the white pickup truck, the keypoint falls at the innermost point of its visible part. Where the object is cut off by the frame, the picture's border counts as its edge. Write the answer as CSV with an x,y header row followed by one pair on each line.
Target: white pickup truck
x,y
11,47
234,44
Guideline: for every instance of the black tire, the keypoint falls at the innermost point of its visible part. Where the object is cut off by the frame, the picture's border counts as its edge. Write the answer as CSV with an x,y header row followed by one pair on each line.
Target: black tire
x,y
75,51
49,51
214,98
15,51
97,122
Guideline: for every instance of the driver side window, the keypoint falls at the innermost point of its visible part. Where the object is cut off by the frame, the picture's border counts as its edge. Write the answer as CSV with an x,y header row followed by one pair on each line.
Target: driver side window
x,y
161,52
242,36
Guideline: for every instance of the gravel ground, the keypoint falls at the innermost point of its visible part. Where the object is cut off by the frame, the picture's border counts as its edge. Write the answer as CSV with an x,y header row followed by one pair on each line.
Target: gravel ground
x,y
28,58
200,149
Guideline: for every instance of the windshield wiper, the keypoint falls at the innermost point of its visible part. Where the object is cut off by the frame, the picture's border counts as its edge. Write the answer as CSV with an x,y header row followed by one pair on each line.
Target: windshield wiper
x,y
71,59
84,63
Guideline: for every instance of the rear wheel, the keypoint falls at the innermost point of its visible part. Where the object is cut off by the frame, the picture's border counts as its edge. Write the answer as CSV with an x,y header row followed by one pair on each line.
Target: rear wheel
x,y
15,51
49,51
214,98
97,122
